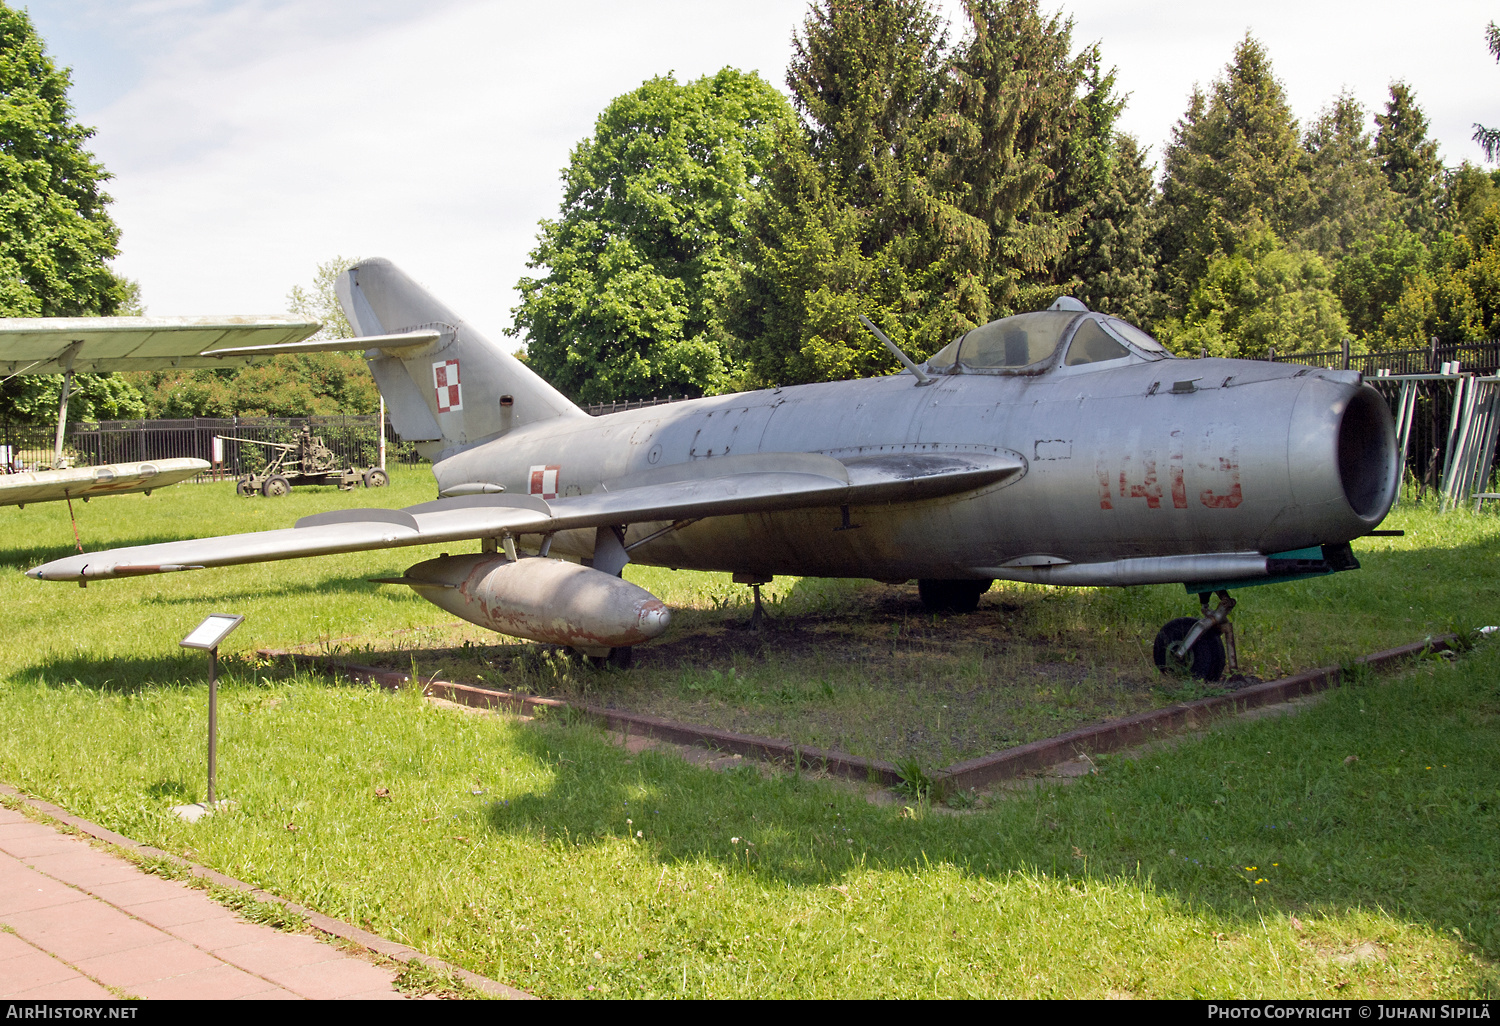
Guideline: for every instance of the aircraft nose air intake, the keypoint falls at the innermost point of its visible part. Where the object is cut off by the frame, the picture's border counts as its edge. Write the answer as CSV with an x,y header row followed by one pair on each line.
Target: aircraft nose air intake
x,y
1342,460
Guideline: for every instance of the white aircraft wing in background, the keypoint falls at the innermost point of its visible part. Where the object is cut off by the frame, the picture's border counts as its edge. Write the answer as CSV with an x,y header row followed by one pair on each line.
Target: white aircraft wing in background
x,y
70,345
64,345
87,482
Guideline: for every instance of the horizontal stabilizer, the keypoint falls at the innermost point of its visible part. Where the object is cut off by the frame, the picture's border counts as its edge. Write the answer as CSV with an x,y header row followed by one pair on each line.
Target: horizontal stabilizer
x,y
405,340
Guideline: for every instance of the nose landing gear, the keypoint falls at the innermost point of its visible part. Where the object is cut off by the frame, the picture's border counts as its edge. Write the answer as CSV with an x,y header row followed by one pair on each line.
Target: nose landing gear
x,y
1199,646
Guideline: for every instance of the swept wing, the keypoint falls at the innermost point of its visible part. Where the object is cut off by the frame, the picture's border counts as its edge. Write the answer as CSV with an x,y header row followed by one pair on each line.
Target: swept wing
x,y
758,483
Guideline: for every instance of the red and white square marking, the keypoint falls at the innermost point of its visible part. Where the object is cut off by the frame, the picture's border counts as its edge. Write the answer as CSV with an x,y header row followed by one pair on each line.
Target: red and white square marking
x,y
450,397
544,481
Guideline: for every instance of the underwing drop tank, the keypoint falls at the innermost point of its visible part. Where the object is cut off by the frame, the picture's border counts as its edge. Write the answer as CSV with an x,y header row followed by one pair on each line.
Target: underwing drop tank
x,y
546,600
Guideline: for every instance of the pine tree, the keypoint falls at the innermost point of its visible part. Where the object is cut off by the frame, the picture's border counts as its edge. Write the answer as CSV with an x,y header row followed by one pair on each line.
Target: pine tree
x,y
930,189
1410,160
1111,263
1233,170
852,220
1029,155
1349,199
1489,138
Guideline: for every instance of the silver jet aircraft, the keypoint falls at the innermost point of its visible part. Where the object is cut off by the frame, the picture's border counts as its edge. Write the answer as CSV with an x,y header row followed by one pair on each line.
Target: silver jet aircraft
x,y
1061,447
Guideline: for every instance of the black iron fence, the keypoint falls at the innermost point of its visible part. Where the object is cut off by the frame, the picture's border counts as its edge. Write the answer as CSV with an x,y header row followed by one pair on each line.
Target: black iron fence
x,y
354,439
1432,414
1476,357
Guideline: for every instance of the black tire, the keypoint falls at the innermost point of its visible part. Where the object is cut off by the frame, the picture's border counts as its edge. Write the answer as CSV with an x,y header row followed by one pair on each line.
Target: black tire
x,y
243,488
275,487
960,596
1205,660
376,478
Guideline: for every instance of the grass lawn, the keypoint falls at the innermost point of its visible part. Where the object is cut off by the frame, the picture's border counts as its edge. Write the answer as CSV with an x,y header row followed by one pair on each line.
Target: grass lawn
x,y
1257,860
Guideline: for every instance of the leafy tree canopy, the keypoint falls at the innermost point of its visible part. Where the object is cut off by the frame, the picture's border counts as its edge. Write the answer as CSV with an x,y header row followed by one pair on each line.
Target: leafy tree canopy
x,y
1265,296
56,237
295,385
1456,296
639,261
1371,279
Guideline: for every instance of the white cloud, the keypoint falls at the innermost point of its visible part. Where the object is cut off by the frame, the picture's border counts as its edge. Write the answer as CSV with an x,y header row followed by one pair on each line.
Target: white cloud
x,y
252,139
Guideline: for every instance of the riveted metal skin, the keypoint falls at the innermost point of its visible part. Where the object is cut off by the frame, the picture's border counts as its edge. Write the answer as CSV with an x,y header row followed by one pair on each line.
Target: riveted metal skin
x,y
1117,467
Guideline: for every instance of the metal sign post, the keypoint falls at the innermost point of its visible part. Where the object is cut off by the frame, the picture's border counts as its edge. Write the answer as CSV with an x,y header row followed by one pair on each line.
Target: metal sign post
x,y
207,635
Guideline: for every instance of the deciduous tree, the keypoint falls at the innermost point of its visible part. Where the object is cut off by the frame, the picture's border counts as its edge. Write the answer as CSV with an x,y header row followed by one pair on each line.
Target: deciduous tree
x,y
636,267
56,236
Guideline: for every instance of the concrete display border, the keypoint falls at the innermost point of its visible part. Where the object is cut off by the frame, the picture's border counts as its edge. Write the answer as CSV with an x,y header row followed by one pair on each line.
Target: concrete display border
x,y
317,920
1097,738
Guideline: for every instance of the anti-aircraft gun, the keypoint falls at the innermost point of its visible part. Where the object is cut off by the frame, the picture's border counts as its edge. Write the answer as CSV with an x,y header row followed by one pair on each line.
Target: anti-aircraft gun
x,y
305,461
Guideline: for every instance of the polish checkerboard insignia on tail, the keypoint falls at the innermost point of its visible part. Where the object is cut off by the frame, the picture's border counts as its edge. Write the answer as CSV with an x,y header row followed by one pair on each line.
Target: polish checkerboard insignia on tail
x,y
450,397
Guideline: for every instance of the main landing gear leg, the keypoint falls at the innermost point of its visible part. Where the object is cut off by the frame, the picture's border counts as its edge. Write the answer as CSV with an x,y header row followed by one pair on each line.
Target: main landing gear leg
x,y
1199,646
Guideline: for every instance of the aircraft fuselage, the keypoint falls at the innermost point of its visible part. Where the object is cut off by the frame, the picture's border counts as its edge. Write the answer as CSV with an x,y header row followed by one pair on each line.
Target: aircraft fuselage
x,y
1152,458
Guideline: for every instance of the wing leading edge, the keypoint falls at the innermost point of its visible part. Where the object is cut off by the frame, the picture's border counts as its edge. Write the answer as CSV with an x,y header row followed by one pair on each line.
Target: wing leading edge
x,y
752,484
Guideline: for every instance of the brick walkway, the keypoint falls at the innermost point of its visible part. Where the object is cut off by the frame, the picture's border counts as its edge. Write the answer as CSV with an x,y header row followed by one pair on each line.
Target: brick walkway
x,y
78,923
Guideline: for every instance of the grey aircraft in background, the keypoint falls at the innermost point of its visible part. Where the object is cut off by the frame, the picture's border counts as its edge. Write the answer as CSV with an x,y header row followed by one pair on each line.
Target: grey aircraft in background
x,y
1061,447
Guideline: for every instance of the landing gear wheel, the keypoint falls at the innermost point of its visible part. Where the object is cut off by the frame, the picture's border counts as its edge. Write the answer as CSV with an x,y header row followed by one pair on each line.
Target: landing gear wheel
x,y
960,596
275,487
243,488
1205,660
376,478
618,659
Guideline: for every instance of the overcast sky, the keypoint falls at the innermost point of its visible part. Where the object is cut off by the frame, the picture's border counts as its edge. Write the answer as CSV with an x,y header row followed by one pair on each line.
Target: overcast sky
x,y
250,140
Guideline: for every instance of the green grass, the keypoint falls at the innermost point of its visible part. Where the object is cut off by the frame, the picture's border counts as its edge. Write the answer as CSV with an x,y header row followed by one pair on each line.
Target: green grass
x,y
1254,861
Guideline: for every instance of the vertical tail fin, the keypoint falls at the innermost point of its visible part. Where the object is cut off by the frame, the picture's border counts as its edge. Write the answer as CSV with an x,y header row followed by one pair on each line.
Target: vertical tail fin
x,y
455,392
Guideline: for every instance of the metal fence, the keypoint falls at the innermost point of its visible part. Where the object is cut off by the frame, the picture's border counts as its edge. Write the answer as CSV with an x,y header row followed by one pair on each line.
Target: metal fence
x,y
354,439
1434,425
1478,357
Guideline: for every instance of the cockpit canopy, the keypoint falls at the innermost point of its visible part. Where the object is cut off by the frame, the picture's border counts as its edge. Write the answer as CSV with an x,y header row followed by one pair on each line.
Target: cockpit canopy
x,y
1029,344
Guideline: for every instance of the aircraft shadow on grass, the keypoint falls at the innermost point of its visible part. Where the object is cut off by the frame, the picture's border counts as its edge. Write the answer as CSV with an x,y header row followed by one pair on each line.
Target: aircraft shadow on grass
x,y
689,815
1377,860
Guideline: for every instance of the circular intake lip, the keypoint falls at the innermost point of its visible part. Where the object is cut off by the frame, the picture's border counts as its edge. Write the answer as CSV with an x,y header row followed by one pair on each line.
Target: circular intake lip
x,y
1369,465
